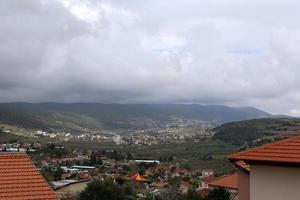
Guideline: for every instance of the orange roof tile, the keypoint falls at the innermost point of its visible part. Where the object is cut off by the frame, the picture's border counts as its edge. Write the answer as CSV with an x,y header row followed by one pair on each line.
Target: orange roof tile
x,y
243,165
281,152
20,180
230,182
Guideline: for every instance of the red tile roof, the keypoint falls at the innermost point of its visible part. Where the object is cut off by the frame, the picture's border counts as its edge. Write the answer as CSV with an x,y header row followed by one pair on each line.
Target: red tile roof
x,y
20,180
281,152
243,165
229,182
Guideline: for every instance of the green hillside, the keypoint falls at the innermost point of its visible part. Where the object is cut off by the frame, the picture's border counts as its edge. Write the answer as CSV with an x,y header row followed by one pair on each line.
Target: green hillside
x,y
256,131
78,116
12,138
38,118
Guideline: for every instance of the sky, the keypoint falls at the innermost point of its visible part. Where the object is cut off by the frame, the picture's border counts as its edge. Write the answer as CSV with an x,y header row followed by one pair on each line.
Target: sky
x,y
236,53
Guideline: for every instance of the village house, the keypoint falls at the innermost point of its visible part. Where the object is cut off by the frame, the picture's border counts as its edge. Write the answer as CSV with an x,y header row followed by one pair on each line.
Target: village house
x,y
207,173
185,186
20,179
228,182
269,172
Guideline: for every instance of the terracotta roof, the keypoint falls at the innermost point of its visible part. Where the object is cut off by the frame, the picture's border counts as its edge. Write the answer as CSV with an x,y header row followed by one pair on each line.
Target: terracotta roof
x,y
281,152
243,165
20,180
230,182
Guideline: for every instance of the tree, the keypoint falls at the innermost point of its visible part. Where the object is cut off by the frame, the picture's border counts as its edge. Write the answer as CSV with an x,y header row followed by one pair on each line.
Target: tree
x,y
129,156
171,194
218,194
57,174
99,161
107,189
192,195
93,159
142,170
174,181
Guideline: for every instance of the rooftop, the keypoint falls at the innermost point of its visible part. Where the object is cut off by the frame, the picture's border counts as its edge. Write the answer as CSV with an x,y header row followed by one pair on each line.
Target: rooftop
x,y
284,152
137,177
242,165
20,180
229,182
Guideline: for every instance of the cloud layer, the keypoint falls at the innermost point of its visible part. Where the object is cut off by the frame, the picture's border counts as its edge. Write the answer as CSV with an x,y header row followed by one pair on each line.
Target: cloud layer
x,y
216,52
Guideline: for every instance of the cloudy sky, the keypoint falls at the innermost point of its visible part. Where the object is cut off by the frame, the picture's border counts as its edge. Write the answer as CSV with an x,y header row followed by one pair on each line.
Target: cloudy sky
x,y
238,53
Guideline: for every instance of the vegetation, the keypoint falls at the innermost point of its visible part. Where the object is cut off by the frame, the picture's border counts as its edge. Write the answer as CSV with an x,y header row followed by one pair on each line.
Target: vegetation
x,y
78,116
107,189
218,194
12,138
192,195
249,131
203,154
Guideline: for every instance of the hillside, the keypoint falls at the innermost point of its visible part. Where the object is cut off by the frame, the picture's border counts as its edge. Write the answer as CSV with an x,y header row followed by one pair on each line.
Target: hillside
x,y
257,131
13,138
114,116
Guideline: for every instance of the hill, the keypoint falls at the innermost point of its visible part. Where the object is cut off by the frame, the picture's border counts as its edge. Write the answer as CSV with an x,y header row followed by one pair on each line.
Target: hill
x,y
115,116
257,131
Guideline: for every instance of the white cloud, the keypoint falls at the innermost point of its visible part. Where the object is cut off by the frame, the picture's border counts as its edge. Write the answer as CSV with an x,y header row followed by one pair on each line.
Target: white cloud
x,y
222,52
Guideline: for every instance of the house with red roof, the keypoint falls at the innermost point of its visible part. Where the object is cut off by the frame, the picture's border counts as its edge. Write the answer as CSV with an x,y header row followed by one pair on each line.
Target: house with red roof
x,y
269,172
20,179
228,182
185,186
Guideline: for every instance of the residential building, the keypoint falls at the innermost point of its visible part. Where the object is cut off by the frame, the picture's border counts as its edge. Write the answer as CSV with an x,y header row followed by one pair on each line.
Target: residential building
x,y
184,187
269,172
229,183
207,172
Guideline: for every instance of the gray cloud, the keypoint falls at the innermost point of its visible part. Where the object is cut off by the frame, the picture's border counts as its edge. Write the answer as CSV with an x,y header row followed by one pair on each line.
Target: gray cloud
x,y
152,51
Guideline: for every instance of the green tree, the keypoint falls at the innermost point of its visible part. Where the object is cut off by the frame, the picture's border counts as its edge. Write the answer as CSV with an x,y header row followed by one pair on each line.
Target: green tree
x,y
171,194
107,189
218,194
57,174
142,170
93,159
192,195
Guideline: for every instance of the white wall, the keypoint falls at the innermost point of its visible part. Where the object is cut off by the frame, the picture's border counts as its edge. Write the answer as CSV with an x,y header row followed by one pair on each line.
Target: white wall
x,y
274,183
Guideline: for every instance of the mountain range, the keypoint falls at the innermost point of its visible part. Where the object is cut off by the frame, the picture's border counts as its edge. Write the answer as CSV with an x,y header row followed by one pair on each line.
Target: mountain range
x,y
78,116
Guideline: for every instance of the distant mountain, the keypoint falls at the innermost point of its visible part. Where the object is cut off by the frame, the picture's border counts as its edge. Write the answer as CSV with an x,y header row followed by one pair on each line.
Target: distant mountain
x,y
114,116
